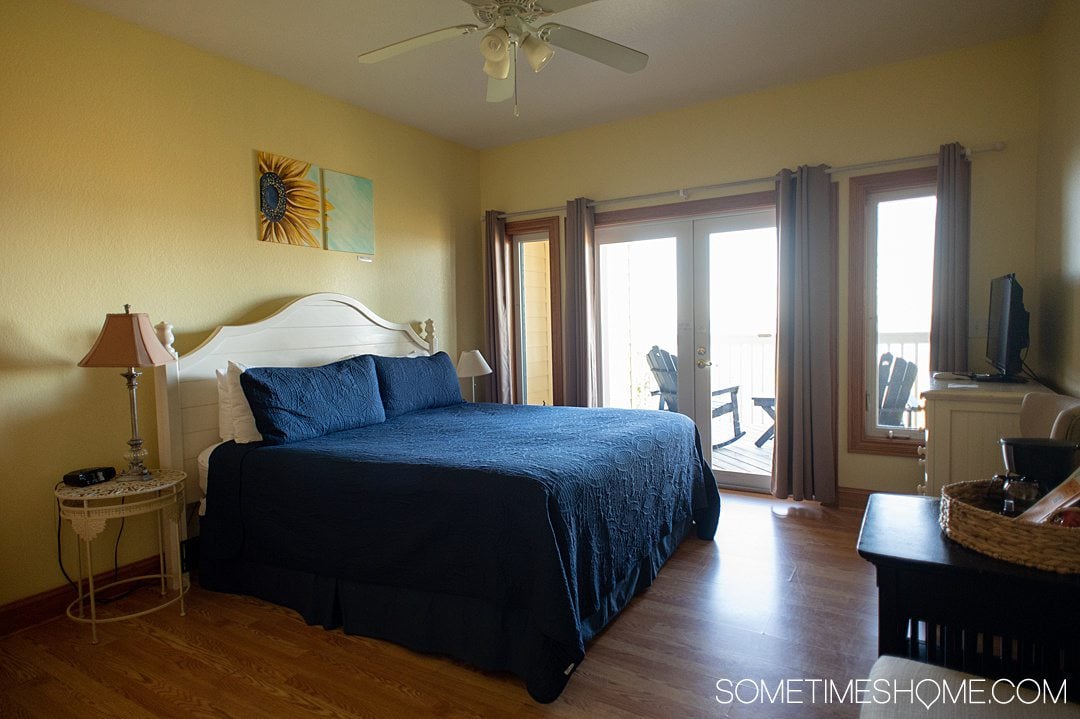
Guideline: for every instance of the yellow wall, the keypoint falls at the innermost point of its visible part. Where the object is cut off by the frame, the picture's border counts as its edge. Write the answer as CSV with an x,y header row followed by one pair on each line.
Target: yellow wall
x,y
976,96
128,177
1059,199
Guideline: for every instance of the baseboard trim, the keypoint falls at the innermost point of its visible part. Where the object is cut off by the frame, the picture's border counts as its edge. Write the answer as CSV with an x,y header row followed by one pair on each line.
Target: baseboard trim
x,y
853,497
34,610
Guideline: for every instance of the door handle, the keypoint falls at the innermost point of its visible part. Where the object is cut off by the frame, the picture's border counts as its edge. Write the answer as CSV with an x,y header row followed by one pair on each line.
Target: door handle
x,y
702,364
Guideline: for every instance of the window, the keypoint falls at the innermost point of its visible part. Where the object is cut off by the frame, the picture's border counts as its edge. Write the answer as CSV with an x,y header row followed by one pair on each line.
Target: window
x,y
891,267
537,320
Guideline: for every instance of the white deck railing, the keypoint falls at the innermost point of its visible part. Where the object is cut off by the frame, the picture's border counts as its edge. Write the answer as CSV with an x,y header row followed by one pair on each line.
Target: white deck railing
x,y
914,347
749,361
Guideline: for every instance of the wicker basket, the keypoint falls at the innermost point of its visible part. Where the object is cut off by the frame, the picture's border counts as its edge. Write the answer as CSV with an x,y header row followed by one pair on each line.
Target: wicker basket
x,y
967,518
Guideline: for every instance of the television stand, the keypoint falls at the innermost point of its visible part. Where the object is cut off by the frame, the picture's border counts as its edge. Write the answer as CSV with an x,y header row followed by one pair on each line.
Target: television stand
x,y
1004,378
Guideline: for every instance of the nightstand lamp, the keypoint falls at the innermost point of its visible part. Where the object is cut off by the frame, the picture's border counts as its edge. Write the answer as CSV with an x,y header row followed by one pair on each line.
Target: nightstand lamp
x,y
471,364
128,340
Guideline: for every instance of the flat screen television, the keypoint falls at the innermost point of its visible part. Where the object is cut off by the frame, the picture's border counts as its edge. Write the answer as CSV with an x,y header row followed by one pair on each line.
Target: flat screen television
x,y
1007,330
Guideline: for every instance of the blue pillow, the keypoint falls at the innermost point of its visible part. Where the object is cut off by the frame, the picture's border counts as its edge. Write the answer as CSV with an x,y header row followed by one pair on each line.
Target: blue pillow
x,y
408,384
295,403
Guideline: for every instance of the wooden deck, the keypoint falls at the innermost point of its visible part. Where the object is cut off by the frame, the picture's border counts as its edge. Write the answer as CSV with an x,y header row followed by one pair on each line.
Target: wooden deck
x,y
744,456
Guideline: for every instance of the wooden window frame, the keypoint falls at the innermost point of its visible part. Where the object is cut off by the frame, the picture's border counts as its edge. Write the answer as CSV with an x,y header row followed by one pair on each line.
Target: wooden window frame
x,y
689,209
550,225
861,191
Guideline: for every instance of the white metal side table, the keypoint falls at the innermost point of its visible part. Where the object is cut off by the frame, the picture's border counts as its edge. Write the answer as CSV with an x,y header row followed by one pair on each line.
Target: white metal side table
x,y
89,508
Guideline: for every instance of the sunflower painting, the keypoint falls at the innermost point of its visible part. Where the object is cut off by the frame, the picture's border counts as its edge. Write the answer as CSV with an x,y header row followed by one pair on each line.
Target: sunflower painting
x,y
290,202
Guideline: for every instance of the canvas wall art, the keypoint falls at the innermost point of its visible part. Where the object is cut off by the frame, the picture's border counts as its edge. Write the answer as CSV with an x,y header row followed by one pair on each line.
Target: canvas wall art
x,y
291,208
349,213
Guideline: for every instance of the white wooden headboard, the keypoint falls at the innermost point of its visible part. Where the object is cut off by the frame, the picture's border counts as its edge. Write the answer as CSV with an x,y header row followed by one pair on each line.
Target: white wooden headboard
x,y
310,331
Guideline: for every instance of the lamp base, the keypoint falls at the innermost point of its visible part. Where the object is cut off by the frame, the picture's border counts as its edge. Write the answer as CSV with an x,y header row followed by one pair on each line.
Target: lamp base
x,y
136,470
135,474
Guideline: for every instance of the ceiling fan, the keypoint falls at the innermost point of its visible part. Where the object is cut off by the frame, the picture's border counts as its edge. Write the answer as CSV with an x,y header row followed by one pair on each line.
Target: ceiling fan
x,y
509,25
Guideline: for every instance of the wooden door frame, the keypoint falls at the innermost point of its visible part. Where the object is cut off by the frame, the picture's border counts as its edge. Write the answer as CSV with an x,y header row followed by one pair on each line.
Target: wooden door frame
x,y
550,225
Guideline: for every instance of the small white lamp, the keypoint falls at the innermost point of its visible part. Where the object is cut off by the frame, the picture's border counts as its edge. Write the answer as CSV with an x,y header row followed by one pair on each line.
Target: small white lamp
x,y
471,364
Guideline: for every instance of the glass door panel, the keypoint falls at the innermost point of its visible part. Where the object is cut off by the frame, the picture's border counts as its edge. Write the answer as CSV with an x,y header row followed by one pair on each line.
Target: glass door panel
x,y
638,291
735,326
534,320
537,311
904,262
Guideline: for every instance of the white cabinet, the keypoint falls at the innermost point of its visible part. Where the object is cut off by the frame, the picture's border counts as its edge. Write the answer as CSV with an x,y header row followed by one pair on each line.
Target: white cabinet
x,y
964,422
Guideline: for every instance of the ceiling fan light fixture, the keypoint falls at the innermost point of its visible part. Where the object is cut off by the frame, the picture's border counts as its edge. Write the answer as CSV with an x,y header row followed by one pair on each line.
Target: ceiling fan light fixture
x,y
537,52
495,45
497,69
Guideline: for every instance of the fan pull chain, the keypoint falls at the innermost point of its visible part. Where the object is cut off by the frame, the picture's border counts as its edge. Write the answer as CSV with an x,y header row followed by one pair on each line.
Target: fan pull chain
x,y
516,113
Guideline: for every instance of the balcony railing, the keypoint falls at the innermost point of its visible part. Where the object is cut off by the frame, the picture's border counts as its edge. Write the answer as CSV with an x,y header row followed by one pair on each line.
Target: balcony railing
x,y
749,361
914,347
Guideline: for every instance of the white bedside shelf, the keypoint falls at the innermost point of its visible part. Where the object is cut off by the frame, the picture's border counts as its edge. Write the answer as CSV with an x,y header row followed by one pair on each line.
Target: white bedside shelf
x,y
90,508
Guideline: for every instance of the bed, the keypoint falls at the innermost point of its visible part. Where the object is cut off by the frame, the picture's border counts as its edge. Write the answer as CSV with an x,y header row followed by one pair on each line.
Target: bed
x,y
503,536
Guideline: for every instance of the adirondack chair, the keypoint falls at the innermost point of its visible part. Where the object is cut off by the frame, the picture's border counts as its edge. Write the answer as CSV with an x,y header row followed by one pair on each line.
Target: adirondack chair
x,y
665,371
895,378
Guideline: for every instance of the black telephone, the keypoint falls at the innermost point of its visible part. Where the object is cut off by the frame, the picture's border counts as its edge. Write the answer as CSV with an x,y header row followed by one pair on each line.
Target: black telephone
x,y
89,475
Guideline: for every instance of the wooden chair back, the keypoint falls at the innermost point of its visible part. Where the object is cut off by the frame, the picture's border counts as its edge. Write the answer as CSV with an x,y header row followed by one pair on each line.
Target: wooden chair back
x,y
663,366
896,377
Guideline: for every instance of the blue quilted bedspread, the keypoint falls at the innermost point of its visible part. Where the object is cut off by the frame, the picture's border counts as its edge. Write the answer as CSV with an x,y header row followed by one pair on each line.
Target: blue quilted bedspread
x,y
504,536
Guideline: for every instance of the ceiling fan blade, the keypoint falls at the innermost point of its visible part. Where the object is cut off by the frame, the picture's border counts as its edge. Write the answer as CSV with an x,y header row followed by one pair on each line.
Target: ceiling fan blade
x,y
412,43
503,90
593,47
547,7
554,6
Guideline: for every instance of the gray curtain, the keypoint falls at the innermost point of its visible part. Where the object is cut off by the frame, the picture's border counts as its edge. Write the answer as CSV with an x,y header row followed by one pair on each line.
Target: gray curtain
x,y
579,338
949,313
804,460
498,304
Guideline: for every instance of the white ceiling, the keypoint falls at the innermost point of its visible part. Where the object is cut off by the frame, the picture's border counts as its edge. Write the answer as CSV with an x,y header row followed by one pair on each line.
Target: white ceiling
x,y
698,50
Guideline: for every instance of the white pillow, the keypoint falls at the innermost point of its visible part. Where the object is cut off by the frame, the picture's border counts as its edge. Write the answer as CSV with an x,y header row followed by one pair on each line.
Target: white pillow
x,y
243,421
224,406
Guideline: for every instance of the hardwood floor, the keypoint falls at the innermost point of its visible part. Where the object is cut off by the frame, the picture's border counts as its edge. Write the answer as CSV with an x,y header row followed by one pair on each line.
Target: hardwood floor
x,y
780,594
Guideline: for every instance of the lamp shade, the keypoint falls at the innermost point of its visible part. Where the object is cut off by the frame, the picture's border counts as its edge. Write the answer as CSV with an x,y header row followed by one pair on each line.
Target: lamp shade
x,y
537,52
495,45
497,69
126,340
472,364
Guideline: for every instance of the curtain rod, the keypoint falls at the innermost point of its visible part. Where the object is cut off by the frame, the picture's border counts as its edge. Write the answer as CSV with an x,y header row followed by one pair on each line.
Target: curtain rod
x,y
685,192
992,147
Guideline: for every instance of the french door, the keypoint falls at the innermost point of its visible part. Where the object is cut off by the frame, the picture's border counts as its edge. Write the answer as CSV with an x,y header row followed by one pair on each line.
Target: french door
x,y
702,292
